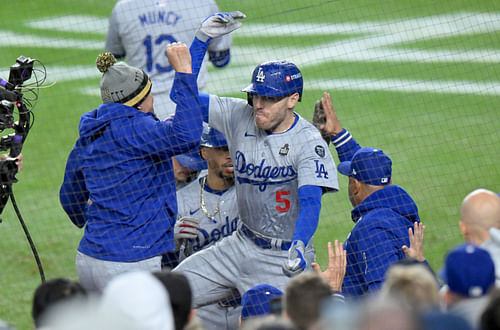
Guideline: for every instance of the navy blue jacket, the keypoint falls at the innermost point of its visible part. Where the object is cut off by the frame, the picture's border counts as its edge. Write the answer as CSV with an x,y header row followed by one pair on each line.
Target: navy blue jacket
x,y
122,163
381,229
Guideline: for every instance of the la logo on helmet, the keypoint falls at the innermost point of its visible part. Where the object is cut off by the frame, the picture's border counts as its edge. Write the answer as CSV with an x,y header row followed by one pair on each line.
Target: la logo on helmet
x,y
260,76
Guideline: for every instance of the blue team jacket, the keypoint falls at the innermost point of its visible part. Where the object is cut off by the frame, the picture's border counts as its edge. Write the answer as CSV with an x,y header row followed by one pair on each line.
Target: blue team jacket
x,y
381,229
122,163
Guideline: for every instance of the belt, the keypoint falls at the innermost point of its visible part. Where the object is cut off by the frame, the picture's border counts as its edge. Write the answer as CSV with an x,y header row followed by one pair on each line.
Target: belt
x,y
264,242
233,301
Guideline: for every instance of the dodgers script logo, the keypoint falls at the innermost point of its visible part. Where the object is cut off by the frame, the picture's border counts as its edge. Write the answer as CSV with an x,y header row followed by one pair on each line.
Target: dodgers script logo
x,y
207,238
260,174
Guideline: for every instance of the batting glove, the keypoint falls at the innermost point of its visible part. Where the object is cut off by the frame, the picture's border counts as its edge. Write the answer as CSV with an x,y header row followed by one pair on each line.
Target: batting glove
x,y
219,24
186,228
296,262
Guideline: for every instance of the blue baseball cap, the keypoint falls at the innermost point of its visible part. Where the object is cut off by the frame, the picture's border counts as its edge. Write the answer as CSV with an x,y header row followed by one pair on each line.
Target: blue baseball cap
x,y
192,160
276,78
212,138
469,270
257,300
368,165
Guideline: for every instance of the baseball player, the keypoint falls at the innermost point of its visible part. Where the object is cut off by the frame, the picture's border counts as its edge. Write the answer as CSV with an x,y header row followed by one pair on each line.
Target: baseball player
x,y
208,213
282,167
139,30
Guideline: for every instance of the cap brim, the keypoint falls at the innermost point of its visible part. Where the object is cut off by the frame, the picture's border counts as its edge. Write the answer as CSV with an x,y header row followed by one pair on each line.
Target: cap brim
x,y
192,162
345,168
249,89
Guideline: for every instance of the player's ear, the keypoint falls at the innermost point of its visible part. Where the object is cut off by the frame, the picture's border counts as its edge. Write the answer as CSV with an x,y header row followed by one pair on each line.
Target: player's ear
x,y
463,228
292,100
203,153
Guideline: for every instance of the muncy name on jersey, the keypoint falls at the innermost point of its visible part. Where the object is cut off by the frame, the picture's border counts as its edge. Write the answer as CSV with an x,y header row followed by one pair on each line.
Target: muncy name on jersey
x,y
159,17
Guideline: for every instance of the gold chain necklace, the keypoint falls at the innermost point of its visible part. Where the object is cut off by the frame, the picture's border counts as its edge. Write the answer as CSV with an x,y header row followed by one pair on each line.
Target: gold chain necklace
x,y
202,201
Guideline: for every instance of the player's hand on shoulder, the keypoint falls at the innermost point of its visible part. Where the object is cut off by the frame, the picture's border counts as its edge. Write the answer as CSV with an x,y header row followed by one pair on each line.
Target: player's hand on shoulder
x,y
219,24
179,57
296,262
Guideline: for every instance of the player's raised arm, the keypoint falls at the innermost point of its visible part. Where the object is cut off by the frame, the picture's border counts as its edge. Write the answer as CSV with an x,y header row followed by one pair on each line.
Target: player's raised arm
x,y
325,119
213,26
187,122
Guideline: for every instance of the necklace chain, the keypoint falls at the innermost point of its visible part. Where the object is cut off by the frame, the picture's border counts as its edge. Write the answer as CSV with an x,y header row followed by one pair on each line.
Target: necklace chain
x,y
202,201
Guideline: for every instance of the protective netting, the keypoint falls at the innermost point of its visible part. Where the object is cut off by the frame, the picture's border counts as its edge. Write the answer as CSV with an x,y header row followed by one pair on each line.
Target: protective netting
x,y
418,80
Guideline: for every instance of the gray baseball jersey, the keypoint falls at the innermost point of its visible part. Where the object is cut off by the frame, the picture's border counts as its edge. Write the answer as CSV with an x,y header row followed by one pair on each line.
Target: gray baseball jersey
x,y
212,229
270,168
140,30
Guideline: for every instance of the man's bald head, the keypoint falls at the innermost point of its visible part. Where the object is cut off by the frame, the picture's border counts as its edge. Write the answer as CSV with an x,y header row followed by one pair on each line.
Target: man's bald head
x,y
480,212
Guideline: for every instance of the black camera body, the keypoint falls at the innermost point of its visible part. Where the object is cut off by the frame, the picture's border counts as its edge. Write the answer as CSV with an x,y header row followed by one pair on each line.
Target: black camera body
x,y
21,71
11,97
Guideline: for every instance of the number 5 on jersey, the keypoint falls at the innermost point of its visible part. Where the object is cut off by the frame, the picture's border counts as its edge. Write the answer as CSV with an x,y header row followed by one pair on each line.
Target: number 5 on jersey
x,y
282,200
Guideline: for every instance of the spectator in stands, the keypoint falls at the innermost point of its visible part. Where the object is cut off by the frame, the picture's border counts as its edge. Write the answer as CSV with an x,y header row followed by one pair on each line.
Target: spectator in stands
x,y
490,319
469,273
261,300
51,294
439,320
480,223
269,322
382,212
413,284
180,294
136,300
303,297
386,314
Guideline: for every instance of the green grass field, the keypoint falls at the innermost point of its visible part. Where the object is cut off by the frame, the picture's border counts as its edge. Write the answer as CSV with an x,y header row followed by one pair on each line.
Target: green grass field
x,y
420,81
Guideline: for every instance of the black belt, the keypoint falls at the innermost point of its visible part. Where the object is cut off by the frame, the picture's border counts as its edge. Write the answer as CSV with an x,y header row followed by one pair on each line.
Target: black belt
x,y
264,242
233,301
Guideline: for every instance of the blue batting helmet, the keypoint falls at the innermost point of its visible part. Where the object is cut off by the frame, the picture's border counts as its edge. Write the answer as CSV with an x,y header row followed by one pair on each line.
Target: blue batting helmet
x,y
212,138
276,78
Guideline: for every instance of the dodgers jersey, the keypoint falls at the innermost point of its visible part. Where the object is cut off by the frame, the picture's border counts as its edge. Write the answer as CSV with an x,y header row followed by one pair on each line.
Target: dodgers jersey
x,y
270,168
140,30
211,230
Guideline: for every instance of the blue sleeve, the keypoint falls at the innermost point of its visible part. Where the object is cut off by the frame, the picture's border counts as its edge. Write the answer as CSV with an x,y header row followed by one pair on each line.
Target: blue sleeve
x,y
187,123
345,144
167,138
198,50
73,193
309,208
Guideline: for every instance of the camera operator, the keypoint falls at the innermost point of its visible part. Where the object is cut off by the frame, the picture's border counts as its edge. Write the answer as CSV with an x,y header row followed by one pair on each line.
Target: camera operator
x,y
119,180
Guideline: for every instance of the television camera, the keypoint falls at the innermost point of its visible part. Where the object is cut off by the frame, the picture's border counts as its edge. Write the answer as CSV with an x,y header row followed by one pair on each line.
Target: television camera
x,y
19,92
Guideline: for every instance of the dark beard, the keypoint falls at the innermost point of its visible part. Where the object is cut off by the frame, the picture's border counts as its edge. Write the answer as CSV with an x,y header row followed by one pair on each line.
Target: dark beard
x,y
227,179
